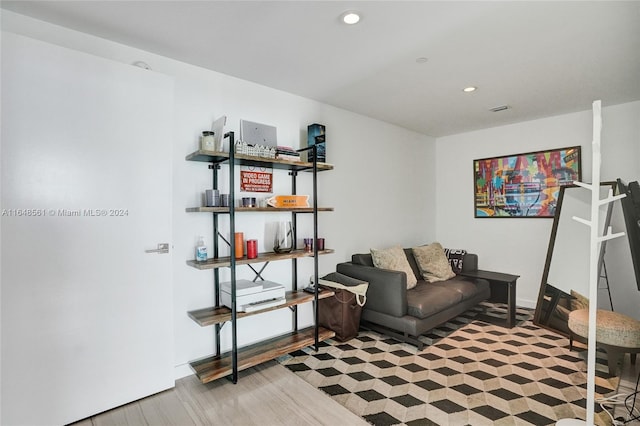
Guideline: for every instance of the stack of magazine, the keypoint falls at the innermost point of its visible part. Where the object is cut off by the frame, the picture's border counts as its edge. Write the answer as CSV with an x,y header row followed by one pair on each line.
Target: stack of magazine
x,y
287,153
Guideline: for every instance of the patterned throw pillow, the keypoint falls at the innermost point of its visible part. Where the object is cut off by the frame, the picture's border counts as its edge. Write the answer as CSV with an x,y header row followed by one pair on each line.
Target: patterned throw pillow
x,y
433,263
394,258
455,256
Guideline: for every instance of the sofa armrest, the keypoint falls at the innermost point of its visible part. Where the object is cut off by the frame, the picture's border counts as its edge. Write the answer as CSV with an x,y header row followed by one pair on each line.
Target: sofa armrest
x,y
469,262
387,292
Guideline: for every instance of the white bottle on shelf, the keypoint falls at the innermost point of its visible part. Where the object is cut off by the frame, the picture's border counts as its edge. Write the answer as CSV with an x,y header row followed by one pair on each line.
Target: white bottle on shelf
x,y
201,250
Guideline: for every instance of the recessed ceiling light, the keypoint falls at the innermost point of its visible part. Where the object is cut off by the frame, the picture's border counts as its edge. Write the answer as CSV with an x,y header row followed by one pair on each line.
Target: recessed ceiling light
x,y
351,17
469,89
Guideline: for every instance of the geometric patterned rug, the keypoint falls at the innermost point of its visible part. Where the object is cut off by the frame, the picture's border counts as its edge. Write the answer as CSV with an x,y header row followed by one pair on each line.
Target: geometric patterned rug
x,y
471,372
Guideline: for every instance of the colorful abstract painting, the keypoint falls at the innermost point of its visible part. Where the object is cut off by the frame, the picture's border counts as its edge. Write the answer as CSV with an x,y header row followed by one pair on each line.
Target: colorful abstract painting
x,y
524,185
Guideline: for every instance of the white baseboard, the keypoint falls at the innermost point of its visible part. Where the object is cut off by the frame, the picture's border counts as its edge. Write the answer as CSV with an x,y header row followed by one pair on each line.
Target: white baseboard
x,y
181,371
526,303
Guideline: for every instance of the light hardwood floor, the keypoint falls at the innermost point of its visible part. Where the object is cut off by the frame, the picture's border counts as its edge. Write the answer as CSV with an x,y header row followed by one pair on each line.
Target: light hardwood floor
x,y
268,394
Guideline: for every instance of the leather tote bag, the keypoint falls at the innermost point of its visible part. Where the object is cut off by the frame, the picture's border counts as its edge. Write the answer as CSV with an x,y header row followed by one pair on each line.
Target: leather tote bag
x,y
341,312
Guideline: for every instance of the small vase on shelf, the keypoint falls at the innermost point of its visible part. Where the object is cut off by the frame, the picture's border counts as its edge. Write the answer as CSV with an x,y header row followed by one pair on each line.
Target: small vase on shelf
x,y
283,242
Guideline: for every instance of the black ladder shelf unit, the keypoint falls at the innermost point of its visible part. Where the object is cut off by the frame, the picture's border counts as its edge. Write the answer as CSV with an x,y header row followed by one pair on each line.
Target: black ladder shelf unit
x,y
228,364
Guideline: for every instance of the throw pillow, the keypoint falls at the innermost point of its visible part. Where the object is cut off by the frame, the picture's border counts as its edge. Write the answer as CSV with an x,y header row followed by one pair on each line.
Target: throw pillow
x,y
578,301
455,256
433,262
394,258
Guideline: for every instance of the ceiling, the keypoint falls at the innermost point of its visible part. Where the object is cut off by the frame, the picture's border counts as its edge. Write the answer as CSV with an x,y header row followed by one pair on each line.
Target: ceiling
x,y
539,58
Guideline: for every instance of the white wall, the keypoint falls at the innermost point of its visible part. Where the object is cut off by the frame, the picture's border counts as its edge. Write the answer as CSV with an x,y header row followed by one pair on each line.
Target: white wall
x,y
519,246
382,187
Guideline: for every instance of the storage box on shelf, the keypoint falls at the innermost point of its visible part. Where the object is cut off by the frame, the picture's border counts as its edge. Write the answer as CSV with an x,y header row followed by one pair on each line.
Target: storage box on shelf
x,y
229,363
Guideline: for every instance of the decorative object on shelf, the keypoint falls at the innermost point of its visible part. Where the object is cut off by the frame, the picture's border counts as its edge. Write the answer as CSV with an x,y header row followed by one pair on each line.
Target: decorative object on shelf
x,y
218,129
320,244
308,244
524,185
256,179
207,141
288,201
283,242
239,243
201,250
316,136
261,151
212,197
252,249
224,200
249,202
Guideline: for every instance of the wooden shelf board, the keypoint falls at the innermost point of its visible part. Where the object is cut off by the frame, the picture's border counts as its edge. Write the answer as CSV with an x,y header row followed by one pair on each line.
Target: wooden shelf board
x,y
216,367
223,262
255,209
208,156
212,315
221,157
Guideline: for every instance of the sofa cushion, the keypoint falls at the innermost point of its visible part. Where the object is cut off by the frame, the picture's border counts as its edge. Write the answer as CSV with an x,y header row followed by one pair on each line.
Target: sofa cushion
x,y
412,262
467,287
433,263
427,299
395,259
470,262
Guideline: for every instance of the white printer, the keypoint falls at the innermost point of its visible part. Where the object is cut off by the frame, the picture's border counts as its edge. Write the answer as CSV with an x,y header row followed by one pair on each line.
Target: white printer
x,y
252,296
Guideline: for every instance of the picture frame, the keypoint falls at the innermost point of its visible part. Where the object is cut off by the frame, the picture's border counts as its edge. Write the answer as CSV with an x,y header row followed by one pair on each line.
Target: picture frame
x,y
524,185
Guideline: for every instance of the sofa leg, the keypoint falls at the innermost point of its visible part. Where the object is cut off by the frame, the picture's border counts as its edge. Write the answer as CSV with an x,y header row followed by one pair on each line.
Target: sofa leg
x,y
404,337
414,341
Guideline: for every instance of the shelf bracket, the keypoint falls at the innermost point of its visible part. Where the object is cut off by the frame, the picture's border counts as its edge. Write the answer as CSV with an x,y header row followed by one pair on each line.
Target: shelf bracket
x,y
224,239
258,273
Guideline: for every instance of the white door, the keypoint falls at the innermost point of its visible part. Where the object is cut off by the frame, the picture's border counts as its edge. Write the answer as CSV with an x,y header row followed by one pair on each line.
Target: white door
x,y
86,188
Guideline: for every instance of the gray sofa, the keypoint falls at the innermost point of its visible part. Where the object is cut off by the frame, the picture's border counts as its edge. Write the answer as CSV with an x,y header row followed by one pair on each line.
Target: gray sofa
x,y
406,314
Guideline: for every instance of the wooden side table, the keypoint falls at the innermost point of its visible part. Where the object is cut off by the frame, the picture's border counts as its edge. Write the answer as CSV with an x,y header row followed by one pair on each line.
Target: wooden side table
x,y
499,282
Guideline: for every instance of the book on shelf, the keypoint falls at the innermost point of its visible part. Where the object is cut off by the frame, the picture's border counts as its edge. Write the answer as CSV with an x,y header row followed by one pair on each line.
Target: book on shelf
x,y
288,157
287,153
287,149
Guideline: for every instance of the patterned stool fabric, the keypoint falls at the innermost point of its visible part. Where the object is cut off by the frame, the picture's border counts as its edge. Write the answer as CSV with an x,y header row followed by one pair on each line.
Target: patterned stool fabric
x,y
615,333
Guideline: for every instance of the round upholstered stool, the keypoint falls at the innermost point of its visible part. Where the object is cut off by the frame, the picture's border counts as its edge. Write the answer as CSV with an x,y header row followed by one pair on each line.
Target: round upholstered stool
x,y
615,333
